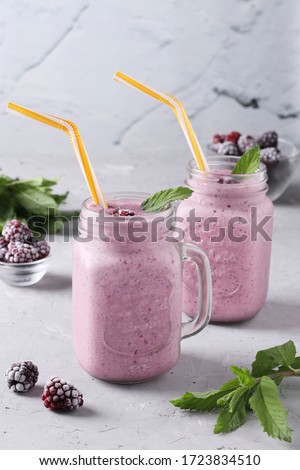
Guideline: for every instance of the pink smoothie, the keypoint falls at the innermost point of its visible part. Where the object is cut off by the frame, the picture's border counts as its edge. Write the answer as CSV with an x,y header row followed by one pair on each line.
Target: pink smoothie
x,y
240,269
127,301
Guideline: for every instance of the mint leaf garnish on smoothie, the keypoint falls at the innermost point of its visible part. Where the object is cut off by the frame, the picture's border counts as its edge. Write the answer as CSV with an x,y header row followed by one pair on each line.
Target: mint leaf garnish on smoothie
x,y
248,163
255,390
158,201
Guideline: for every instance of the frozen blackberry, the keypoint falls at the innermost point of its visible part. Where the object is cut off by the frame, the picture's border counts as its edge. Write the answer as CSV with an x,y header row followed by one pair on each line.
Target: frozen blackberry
x,y
233,137
228,148
16,231
21,253
268,139
61,395
3,248
41,245
21,376
123,212
269,155
227,180
245,143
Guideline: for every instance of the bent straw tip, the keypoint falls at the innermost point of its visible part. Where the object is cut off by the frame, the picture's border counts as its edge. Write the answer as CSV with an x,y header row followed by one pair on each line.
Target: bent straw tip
x,y
116,74
8,106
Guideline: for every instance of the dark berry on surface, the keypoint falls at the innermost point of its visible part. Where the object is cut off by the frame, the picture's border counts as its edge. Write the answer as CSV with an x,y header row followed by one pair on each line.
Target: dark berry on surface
x,y
21,376
228,148
123,212
233,137
246,142
16,231
61,395
269,155
227,180
268,139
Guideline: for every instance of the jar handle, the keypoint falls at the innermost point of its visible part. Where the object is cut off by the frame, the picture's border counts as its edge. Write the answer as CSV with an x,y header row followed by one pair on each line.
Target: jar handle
x,y
197,256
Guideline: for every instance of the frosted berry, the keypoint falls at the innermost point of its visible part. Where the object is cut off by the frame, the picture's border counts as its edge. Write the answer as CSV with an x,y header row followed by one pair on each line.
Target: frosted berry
x,y
268,139
123,212
3,248
246,142
16,231
21,376
218,139
269,155
41,245
61,395
233,137
19,252
228,148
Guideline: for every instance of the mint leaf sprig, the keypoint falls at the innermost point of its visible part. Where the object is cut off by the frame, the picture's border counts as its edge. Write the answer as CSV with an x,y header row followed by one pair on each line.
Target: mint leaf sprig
x,y
22,199
158,201
256,390
248,163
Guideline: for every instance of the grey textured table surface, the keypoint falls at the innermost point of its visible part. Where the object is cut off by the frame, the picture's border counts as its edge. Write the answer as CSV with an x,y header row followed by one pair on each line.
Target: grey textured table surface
x,y
36,324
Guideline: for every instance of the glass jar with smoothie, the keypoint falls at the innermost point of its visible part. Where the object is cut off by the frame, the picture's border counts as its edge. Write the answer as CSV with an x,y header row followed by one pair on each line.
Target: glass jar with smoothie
x,y
230,218
127,290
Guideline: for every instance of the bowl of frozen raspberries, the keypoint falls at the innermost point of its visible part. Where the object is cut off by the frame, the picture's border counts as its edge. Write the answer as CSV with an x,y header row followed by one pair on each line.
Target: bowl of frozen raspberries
x,y
24,259
279,155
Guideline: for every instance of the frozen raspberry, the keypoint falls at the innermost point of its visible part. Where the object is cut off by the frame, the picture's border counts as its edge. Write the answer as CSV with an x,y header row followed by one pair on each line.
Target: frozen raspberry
x,y
41,245
246,142
218,139
3,248
21,376
233,137
123,212
268,139
61,395
269,155
16,231
21,253
228,148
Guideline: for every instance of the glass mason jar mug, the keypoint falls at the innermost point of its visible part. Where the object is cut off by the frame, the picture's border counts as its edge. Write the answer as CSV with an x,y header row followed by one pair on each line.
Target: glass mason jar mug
x,y
127,291
230,218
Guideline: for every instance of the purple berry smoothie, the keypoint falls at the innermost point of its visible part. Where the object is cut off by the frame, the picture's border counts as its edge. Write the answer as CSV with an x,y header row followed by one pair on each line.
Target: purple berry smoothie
x,y
127,300
240,263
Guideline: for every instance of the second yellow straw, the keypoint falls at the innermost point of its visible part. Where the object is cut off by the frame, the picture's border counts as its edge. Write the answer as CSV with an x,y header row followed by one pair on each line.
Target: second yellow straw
x,y
179,111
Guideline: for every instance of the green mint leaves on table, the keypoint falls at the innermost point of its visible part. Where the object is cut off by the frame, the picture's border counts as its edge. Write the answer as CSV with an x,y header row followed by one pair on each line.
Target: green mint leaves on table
x,y
22,199
248,163
159,200
256,390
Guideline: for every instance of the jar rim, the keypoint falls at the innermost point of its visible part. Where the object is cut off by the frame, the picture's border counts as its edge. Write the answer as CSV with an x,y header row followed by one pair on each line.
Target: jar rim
x,y
223,163
130,195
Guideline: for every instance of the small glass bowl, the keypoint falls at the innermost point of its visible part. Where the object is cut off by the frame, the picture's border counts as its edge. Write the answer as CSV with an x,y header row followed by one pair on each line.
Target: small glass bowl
x,y
280,172
24,274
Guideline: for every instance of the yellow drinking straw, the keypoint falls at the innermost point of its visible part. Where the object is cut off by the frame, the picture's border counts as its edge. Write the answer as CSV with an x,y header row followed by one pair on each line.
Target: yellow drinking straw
x,y
72,131
179,111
